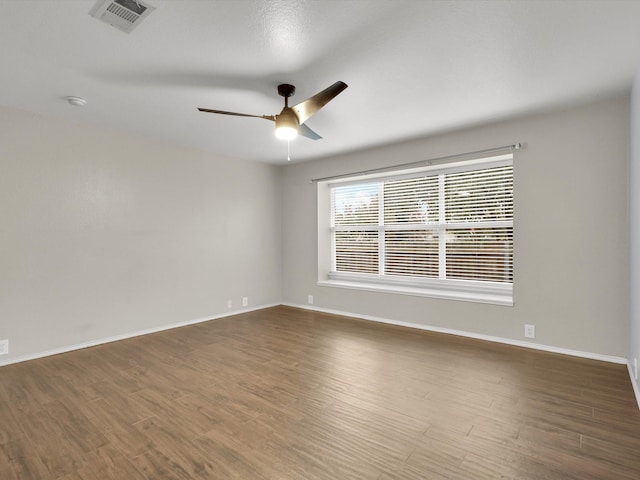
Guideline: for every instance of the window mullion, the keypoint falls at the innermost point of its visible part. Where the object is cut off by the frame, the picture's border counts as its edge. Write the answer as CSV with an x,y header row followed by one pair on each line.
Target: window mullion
x,y
381,229
332,227
333,249
442,232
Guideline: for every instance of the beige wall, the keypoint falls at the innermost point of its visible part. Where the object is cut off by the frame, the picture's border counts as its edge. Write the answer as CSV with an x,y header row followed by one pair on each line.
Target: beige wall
x,y
105,234
634,203
571,244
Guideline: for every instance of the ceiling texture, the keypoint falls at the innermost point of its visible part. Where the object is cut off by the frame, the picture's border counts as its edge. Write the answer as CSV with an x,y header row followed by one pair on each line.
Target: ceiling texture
x,y
414,68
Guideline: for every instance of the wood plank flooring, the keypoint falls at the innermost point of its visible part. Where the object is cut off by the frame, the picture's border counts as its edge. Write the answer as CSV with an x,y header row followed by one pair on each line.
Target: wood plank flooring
x,y
288,394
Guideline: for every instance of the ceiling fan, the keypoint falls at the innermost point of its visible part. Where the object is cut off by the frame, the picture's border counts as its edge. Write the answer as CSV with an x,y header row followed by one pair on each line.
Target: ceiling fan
x,y
291,120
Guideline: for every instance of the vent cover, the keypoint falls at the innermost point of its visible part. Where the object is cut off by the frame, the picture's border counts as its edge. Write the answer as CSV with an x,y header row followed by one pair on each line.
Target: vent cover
x,y
125,15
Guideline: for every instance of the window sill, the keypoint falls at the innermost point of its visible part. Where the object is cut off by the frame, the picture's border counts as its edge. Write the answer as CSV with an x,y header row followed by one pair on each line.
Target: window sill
x,y
494,298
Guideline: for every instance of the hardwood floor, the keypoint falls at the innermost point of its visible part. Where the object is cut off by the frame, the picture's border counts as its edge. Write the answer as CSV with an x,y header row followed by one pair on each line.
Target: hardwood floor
x,y
287,394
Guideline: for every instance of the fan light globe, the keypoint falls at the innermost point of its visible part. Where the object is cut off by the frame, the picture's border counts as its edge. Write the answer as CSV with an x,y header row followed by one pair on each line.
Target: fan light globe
x,y
286,124
286,133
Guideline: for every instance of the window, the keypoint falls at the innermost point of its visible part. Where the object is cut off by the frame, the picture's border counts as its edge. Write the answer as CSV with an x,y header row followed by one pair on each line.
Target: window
x,y
445,231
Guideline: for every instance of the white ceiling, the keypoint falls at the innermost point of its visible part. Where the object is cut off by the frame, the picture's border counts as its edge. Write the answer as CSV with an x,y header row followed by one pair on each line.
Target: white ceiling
x,y
413,67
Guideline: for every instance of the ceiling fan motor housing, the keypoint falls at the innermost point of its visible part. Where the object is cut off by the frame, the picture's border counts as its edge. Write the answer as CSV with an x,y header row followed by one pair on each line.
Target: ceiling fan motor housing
x,y
286,90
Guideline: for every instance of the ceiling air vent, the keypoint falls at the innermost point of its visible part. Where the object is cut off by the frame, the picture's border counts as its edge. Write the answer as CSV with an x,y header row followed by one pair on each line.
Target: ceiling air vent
x,y
125,15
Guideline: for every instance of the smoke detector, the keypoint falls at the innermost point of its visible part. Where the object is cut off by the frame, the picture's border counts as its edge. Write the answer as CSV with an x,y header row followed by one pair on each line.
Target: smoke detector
x,y
76,101
125,15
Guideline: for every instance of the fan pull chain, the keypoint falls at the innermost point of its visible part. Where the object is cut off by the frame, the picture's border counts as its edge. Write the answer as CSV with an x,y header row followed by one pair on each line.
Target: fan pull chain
x,y
288,150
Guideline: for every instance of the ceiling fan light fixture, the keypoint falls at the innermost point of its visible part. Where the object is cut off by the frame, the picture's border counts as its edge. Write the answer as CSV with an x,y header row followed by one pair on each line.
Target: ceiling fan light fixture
x,y
291,121
286,133
286,125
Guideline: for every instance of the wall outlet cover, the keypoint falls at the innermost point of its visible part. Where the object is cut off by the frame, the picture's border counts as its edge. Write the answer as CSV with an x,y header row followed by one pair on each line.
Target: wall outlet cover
x,y
4,347
530,331
310,299
245,301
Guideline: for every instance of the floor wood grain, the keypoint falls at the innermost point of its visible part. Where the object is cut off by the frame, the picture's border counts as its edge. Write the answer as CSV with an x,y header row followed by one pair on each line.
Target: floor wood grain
x,y
288,394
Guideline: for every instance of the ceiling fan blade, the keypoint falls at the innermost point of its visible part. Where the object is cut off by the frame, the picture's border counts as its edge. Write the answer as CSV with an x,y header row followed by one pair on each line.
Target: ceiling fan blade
x,y
311,105
223,112
305,131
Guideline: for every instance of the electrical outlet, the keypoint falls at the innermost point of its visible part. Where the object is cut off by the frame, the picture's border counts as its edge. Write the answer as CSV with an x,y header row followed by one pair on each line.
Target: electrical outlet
x,y
530,331
310,299
245,301
4,347
229,304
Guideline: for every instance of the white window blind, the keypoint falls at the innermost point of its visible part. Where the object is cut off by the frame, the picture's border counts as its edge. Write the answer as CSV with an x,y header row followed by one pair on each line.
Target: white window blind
x,y
447,228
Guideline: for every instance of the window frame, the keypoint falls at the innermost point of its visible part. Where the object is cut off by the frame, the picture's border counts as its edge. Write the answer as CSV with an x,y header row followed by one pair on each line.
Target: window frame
x,y
499,293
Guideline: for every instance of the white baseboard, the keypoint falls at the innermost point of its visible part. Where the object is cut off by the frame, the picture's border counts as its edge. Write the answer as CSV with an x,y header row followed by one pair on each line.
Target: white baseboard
x,y
536,346
124,336
478,336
